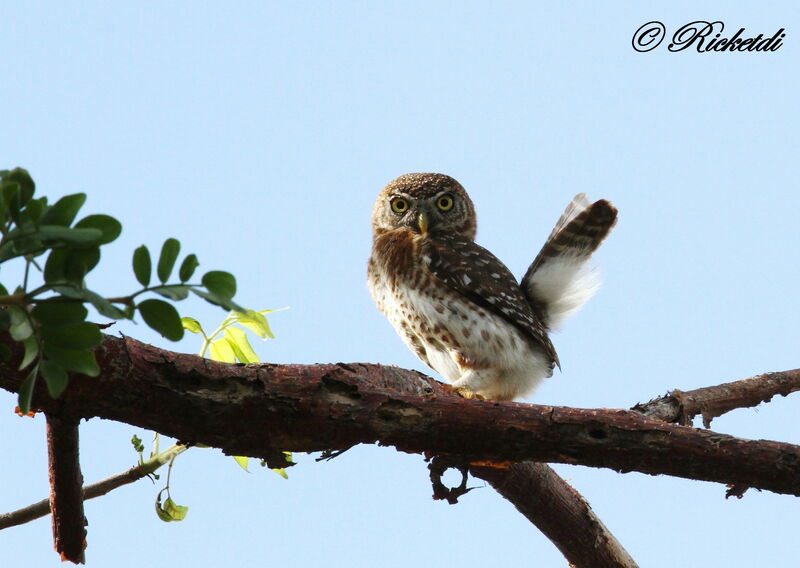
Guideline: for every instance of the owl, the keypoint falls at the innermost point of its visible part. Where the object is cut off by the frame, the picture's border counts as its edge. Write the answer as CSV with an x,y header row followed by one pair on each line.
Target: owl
x,y
456,305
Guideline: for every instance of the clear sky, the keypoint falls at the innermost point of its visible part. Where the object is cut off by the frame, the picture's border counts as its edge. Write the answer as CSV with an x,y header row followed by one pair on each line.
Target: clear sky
x,y
259,135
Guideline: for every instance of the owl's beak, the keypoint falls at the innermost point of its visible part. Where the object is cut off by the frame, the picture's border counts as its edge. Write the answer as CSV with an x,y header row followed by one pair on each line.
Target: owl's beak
x,y
422,221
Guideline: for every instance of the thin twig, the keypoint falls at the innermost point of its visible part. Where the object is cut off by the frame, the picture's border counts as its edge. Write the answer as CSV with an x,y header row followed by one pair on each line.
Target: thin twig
x,y
682,406
42,508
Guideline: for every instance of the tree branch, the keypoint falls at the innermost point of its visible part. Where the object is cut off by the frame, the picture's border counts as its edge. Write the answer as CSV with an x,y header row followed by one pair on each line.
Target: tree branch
x,y
259,410
66,498
559,511
682,406
42,508
338,393
563,515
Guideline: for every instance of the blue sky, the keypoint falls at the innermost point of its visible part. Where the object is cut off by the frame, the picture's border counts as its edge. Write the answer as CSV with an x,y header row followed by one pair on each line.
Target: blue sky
x,y
259,135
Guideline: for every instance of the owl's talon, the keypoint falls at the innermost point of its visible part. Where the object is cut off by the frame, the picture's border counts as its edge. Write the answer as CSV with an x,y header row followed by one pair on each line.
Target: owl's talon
x,y
464,392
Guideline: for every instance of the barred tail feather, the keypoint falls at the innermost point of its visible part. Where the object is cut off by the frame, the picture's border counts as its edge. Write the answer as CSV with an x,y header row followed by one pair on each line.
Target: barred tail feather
x,y
559,281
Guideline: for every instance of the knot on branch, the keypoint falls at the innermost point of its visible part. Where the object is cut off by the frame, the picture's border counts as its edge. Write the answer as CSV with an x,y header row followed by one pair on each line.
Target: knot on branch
x,y
437,467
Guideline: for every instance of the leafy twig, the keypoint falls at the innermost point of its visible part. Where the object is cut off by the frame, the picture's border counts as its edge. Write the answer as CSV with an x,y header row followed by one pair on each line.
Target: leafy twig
x,y
42,508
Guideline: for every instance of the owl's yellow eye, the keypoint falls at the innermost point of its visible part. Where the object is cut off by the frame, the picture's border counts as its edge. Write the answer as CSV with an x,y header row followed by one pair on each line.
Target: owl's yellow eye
x,y
445,202
399,205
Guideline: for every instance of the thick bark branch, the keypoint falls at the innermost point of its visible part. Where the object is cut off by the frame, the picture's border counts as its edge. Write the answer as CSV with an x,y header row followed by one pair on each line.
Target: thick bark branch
x,y
565,517
66,493
682,406
559,511
258,410
543,497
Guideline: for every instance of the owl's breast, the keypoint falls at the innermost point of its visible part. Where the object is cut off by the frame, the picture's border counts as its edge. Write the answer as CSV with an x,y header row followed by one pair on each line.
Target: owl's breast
x,y
393,252
391,264
401,285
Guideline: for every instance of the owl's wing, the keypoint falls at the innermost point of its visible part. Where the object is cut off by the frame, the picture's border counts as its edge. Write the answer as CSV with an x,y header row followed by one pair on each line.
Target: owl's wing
x,y
558,282
478,275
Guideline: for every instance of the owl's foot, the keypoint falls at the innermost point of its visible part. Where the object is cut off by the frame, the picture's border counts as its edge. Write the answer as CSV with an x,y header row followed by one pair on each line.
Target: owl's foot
x,y
466,393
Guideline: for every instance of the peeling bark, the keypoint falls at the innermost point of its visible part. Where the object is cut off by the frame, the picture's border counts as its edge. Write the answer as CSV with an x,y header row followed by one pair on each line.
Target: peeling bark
x,y
710,402
259,410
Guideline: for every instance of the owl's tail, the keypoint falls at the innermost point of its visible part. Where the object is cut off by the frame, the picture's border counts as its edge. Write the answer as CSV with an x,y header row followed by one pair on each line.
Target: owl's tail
x,y
559,280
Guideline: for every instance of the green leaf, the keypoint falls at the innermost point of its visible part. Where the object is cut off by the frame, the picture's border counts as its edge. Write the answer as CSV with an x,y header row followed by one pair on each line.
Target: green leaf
x,y
142,267
5,320
35,208
31,352
70,265
5,352
7,251
242,461
188,266
79,336
219,283
241,346
56,235
21,330
171,511
162,317
80,262
162,514
26,390
63,211
217,301
11,199
255,322
211,298
70,291
103,306
24,181
54,376
78,361
106,224
222,350
238,354
3,208
175,292
59,313
17,314
27,245
191,325
166,261
281,471
54,266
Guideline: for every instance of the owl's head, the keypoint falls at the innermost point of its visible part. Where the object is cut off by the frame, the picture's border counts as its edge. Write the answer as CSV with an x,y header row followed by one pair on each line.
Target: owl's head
x,y
424,203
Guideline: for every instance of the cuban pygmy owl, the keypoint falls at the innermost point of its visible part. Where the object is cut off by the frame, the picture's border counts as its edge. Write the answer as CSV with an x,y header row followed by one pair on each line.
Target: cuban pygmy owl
x,y
456,305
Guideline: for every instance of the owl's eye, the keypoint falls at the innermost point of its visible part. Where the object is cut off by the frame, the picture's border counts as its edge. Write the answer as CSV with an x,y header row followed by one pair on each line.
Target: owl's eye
x,y
445,202
399,205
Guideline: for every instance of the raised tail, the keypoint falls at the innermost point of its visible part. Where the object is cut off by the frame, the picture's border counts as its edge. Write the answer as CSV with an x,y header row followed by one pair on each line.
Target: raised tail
x,y
559,282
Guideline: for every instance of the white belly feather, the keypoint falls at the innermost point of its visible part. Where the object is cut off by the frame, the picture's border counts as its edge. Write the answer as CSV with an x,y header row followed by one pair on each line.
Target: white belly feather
x,y
504,364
